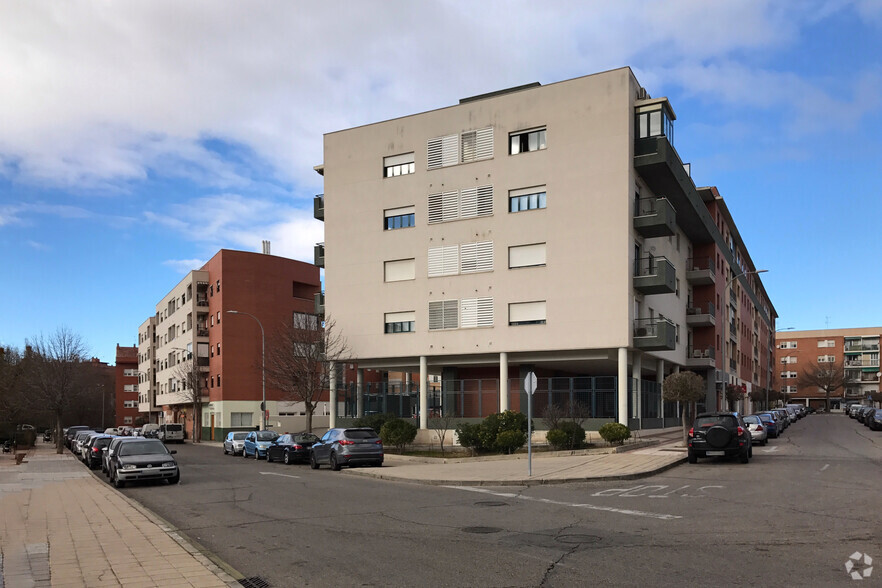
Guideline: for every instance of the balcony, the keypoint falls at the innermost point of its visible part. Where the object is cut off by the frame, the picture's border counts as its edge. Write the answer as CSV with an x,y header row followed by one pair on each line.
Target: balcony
x,y
733,331
654,275
654,335
202,332
318,207
700,271
319,253
701,316
202,361
658,163
320,303
655,217
701,358
201,301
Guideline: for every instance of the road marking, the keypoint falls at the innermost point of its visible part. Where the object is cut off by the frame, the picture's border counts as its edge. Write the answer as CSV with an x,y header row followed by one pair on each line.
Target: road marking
x,y
771,449
636,513
657,491
275,474
825,467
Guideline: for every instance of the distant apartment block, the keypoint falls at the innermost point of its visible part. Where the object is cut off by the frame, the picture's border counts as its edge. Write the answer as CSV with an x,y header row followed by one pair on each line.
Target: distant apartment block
x,y
126,386
857,349
546,229
192,324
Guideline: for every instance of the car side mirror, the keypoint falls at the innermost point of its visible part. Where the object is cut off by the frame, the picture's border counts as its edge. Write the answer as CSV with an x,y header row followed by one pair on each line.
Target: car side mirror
x,y
173,451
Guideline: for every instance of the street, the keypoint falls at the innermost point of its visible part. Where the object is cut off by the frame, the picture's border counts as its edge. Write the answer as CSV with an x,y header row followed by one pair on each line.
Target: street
x,y
793,516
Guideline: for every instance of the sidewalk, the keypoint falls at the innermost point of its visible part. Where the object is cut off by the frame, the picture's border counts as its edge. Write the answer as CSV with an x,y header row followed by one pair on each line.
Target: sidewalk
x,y
61,526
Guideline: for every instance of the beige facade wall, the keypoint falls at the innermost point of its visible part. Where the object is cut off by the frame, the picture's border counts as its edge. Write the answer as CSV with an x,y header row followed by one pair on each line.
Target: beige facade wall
x,y
587,170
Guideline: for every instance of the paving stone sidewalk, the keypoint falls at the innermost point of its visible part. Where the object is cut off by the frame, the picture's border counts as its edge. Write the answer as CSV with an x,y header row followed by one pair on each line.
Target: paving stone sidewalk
x,y
61,526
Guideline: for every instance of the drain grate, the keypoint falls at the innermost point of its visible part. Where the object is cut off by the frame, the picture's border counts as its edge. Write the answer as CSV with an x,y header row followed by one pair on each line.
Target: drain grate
x,y
254,582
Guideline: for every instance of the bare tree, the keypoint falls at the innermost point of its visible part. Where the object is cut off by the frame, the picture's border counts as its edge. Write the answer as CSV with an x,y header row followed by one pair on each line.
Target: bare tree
x,y
687,388
55,374
12,398
299,358
191,383
827,376
441,424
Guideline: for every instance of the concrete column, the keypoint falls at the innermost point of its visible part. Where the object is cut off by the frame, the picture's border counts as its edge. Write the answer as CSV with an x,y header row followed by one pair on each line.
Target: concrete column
x,y
623,385
503,381
424,393
637,373
660,378
332,395
359,392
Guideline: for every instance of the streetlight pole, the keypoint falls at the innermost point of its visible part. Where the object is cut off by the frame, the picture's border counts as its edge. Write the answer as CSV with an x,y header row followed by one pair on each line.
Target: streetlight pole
x,y
725,321
262,365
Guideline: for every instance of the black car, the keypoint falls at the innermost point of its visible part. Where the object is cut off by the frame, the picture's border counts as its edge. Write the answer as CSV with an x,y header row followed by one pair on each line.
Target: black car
x,y
143,459
71,432
291,448
95,450
722,434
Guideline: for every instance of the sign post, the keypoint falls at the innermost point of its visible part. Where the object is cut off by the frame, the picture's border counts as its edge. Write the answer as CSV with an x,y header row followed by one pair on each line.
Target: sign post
x,y
530,387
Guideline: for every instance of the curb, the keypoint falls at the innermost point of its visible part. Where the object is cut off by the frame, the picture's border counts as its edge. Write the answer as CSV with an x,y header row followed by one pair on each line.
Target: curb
x,y
519,482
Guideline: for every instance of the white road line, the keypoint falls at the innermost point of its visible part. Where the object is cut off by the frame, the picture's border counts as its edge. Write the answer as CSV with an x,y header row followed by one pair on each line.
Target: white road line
x,y
624,511
275,474
771,449
825,467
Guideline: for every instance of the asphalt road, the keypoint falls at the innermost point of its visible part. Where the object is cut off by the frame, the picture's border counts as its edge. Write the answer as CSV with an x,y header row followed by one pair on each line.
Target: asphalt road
x,y
792,517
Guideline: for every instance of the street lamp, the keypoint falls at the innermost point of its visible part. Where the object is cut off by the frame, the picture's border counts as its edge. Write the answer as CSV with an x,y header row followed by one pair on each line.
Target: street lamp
x,y
262,365
725,321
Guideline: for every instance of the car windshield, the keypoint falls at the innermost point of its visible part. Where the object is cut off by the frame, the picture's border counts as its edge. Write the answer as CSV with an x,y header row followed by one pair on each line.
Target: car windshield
x,y
142,448
266,436
754,420
239,436
709,421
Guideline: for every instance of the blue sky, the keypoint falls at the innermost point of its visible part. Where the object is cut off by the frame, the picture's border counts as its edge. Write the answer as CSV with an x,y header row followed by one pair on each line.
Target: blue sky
x,y
137,139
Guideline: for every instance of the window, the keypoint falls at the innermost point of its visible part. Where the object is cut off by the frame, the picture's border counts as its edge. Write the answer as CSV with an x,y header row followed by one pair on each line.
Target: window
x,y
526,313
786,375
305,321
469,203
442,151
526,255
523,141
127,420
476,312
477,145
130,373
218,348
788,359
399,270
443,314
526,199
400,322
653,121
826,359
476,257
444,261
787,345
398,165
218,317
240,419
130,404
827,343
398,218
130,388
218,380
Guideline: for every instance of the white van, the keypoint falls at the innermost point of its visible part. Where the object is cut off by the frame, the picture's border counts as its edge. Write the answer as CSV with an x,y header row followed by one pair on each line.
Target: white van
x,y
171,433
149,430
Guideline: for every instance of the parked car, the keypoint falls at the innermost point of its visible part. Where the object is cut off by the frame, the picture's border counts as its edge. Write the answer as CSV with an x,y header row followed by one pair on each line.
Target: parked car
x,y
256,443
868,416
126,431
291,448
150,430
143,459
78,437
721,434
83,453
758,431
70,433
95,450
876,421
108,452
339,447
772,423
171,433
234,442
784,416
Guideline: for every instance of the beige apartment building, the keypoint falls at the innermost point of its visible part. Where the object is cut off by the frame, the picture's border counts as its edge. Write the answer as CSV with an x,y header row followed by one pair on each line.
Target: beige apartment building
x,y
546,229
857,349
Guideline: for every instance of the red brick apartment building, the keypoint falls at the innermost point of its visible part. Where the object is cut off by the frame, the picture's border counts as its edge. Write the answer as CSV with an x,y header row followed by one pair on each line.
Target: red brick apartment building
x,y
193,322
797,351
126,386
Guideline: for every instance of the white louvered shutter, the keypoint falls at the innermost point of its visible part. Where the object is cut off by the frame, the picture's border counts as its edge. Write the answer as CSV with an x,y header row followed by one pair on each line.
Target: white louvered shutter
x,y
443,261
476,312
485,201
451,316
468,202
476,257
477,144
442,151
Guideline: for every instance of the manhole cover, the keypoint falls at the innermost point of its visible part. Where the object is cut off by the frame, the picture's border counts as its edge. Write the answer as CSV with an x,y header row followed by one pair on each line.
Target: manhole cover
x,y
577,539
491,503
482,530
254,582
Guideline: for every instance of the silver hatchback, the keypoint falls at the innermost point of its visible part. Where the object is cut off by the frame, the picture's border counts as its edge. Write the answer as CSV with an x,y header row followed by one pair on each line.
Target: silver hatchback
x,y
758,431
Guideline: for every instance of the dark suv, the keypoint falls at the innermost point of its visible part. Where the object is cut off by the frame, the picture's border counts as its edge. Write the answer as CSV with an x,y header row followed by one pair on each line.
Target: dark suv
x,y
721,434
350,447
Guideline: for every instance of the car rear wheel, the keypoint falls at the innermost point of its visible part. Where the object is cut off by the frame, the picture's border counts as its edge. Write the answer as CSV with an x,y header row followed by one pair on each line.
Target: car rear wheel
x,y
333,461
744,457
287,458
691,457
268,459
312,462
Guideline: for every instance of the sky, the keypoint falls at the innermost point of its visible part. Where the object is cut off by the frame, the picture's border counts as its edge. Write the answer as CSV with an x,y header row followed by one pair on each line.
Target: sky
x,y
139,138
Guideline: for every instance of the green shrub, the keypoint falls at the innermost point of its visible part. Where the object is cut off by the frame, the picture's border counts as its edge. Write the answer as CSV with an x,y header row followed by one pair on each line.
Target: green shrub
x,y
510,441
398,432
375,421
614,433
567,435
469,436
